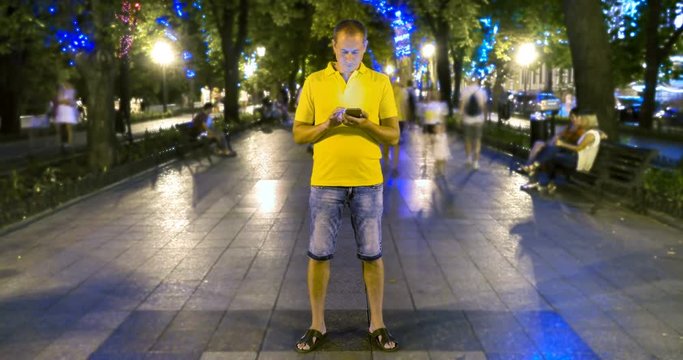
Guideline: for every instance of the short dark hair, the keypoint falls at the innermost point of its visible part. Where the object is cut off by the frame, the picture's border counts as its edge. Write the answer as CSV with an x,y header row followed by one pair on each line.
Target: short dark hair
x,y
207,106
350,27
574,111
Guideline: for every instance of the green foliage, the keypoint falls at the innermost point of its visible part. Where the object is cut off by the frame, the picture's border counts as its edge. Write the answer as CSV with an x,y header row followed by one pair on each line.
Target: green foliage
x,y
41,186
19,27
664,189
628,39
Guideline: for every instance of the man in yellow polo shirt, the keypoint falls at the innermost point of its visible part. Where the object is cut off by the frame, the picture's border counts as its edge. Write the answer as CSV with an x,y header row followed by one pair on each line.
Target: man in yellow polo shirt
x,y
346,171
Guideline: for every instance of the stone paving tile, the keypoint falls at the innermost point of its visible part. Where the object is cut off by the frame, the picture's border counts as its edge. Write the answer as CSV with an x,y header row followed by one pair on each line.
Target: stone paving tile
x,y
208,261
235,355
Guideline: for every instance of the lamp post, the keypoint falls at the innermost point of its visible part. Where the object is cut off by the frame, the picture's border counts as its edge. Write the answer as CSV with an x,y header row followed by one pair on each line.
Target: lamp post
x,y
162,54
526,55
428,51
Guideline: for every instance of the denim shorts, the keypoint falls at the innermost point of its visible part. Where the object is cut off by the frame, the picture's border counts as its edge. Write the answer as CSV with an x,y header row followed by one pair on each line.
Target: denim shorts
x,y
327,204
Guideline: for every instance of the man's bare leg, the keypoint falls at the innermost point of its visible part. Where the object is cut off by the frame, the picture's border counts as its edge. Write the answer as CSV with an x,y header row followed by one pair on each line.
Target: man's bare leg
x,y
373,274
318,278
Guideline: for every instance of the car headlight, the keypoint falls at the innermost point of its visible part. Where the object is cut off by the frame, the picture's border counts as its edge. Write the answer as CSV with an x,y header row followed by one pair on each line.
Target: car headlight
x,y
660,113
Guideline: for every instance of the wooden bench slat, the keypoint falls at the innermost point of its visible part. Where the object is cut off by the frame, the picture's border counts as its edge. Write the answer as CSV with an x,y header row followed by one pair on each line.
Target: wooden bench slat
x,y
619,166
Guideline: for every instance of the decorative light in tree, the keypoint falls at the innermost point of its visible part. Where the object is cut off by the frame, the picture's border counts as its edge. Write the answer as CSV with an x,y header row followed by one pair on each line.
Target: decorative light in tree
x,y
74,41
401,22
179,11
69,37
481,67
373,59
129,19
621,17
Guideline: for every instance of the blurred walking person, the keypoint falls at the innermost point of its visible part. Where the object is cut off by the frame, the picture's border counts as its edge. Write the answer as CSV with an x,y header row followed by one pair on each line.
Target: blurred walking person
x,y
393,150
66,114
440,150
472,110
434,128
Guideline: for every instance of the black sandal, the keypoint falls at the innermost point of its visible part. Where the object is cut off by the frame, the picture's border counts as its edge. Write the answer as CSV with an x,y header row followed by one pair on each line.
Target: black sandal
x,y
381,337
308,339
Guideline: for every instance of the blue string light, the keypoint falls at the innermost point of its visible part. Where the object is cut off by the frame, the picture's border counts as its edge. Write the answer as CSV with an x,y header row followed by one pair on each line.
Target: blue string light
x,y
480,66
621,18
401,22
74,40
163,20
179,9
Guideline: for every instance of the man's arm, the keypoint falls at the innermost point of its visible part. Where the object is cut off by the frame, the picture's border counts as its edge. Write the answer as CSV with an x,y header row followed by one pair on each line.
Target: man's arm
x,y
308,133
305,133
387,132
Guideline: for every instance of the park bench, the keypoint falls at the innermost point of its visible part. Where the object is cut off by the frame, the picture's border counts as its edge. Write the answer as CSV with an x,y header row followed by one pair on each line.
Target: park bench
x,y
618,169
191,143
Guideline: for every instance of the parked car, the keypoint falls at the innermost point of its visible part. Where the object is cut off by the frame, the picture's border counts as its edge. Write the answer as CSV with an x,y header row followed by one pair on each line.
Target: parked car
x,y
526,103
629,108
669,116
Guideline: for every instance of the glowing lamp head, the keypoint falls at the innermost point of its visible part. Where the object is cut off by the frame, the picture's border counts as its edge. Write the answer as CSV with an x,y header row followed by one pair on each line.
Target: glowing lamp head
x,y
162,53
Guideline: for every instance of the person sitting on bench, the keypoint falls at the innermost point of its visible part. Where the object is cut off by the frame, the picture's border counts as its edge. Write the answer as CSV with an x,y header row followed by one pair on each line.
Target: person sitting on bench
x,y
202,124
579,157
569,134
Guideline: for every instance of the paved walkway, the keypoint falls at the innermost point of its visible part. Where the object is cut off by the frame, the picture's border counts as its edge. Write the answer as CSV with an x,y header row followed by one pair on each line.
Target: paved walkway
x,y
208,261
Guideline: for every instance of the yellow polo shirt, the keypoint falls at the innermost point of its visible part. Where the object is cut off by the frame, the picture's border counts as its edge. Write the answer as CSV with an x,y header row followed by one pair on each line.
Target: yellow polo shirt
x,y
346,156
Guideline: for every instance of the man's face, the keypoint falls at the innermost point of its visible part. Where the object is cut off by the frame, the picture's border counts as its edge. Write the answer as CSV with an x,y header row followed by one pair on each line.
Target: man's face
x,y
349,50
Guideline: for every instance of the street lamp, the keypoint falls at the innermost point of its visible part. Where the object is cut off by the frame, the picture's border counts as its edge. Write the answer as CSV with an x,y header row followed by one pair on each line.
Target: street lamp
x,y
526,54
389,70
162,54
260,51
428,51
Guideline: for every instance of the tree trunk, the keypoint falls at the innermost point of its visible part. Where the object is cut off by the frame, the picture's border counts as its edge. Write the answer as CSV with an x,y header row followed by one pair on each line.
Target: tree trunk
x,y
99,76
11,87
124,95
590,51
291,82
232,46
653,61
457,70
443,70
548,77
99,69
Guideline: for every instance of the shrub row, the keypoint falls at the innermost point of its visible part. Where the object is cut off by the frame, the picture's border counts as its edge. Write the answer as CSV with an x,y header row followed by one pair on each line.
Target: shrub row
x,y
42,186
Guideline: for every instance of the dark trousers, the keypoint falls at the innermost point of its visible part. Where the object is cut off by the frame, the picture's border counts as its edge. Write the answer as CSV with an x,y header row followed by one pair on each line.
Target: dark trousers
x,y
553,159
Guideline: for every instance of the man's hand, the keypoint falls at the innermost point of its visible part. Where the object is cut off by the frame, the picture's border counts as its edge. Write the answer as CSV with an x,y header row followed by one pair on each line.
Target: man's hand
x,y
336,118
307,133
349,120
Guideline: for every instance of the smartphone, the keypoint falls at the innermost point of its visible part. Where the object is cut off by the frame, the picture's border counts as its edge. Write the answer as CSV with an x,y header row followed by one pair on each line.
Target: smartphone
x,y
355,112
